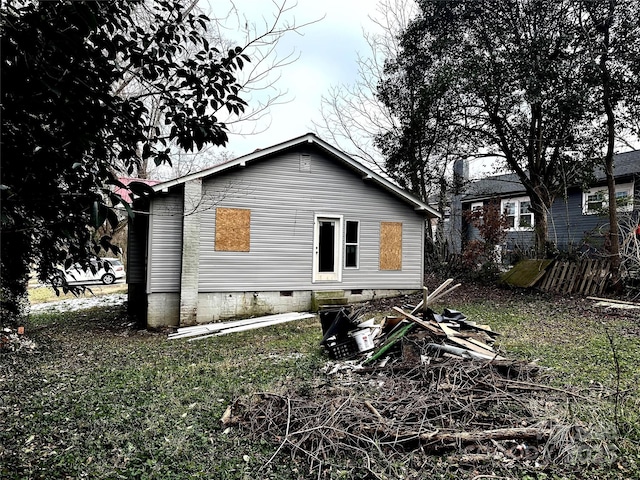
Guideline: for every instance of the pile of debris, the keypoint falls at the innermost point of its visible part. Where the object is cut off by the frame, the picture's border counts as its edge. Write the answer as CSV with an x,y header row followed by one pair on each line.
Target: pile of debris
x,y
449,335
14,340
418,384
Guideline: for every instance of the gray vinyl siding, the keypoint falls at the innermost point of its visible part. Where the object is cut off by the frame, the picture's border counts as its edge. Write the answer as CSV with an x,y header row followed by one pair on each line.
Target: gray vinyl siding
x,y
567,225
165,253
521,240
515,240
283,203
571,229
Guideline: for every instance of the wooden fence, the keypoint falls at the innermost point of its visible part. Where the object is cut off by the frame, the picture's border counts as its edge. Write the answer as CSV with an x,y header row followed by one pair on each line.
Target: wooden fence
x,y
586,277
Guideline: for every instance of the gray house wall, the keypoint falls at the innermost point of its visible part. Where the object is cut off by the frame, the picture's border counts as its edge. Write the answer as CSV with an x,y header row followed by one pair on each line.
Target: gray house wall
x,y
276,274
283,203
571,229
164,265
520,239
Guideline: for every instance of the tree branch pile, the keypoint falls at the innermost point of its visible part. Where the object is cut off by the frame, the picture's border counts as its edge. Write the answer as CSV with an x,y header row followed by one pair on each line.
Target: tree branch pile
x,y
374,418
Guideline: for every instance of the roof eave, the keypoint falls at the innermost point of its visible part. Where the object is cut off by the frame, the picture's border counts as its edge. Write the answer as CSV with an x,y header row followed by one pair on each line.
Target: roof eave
x,y
311,139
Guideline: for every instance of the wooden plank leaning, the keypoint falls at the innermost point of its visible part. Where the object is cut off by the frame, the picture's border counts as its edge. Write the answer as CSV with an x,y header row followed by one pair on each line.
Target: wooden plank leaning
x,y
426,325
437,293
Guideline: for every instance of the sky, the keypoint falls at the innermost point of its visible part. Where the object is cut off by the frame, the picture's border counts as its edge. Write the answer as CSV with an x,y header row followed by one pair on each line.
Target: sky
x,y
327,51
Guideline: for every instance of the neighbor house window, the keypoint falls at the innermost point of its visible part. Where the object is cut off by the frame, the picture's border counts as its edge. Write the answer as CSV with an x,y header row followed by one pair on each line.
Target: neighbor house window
x,y
518,213
477,206
596,200
351,244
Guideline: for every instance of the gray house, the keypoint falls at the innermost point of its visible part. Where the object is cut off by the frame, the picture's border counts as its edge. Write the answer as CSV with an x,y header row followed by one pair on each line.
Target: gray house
x,y
577,222
270,232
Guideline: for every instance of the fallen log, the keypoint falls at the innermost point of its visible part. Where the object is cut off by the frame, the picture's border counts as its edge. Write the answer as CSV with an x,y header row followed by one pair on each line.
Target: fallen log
x,y
445,440
523,433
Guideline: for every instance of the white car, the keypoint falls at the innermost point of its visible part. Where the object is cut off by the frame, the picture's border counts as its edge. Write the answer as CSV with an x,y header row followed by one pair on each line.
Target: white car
x,y
111,270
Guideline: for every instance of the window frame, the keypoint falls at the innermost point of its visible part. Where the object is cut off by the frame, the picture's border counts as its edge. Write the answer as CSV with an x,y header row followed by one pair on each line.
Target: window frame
x,y
355,244
518,214
627,188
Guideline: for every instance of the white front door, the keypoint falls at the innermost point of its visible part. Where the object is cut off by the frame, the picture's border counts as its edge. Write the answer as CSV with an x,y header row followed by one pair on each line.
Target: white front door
x,y
327,249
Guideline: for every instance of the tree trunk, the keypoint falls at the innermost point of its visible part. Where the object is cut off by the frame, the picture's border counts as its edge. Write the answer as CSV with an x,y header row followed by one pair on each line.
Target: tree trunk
x,y
614,250
611,136
541,232
540,205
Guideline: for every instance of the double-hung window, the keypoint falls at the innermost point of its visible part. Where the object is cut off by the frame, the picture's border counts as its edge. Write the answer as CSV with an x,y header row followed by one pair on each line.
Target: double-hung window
x,y
596,200
518,212
351,244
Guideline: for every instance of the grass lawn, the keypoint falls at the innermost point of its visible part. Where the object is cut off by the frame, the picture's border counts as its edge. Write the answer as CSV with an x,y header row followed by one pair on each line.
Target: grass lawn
x,y
100,399
43,294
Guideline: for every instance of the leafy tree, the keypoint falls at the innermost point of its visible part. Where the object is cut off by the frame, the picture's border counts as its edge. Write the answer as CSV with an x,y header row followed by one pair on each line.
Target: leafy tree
x,y
611,29
257,80
492,225
65,127
524,86
427,135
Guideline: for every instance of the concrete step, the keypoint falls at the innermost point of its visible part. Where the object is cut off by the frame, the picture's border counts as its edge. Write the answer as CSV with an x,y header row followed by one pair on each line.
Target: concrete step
x,y
328,298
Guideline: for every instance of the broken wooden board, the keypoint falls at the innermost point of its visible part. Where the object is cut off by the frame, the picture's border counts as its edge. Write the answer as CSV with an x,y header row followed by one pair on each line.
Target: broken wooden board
x,y
613,303
430,297
480,344
475,326
450,332
434,329
254,326
475,348
460,352
526,273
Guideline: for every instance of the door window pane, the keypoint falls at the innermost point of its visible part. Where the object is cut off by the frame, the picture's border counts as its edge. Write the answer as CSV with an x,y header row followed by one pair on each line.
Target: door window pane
x,y
326,247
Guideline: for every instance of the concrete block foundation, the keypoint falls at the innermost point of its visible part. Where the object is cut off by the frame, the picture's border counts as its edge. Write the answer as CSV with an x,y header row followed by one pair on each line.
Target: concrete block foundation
x,y
164,308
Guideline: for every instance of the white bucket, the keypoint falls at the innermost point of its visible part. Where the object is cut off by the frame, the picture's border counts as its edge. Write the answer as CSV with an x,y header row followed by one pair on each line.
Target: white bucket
x,y
367,324
363,339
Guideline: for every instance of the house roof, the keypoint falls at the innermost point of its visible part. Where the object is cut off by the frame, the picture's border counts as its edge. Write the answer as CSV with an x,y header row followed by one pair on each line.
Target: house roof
x,y
626,164
308,139
125,193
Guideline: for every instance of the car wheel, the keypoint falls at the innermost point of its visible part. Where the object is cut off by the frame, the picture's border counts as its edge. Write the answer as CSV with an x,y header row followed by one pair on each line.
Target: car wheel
x,y
108,278
57,281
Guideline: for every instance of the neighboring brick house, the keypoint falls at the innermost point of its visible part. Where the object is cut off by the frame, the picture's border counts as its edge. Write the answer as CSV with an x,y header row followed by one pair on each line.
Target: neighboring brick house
x,y
267,232
575,222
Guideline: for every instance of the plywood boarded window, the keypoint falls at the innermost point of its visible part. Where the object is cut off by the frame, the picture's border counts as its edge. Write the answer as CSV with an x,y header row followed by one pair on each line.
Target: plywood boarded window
x,y
390,246
233,230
